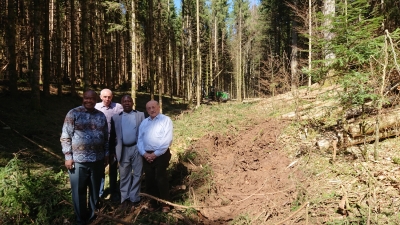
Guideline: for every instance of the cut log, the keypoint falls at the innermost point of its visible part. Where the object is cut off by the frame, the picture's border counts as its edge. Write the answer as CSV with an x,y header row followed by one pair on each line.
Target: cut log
x,y
389,123
368,139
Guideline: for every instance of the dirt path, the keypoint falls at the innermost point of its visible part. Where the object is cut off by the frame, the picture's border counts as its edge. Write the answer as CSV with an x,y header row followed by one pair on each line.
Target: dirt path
x,y
249,176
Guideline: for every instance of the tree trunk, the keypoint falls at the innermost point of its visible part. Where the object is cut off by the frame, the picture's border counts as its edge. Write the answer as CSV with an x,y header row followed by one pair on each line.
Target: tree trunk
x,y
239,66
85,44
198,97
73,48
46,48
133,53
329,13
293,56
58,52
310,40
12,59
36,56
150,51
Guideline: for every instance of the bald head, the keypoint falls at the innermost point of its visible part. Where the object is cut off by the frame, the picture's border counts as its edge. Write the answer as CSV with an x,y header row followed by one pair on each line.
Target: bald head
x,y
153,108
106,97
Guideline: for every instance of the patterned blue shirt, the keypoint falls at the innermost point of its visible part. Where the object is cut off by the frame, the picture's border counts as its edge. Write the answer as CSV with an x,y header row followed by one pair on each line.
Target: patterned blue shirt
x,y
155,135
84,136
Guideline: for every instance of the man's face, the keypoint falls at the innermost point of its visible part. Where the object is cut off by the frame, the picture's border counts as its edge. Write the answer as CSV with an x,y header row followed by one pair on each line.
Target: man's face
x,y
89,100
153,109
127,104
106,98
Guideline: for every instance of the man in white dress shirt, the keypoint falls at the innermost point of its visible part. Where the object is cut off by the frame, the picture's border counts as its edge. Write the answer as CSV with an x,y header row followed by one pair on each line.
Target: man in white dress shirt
x,y
155,138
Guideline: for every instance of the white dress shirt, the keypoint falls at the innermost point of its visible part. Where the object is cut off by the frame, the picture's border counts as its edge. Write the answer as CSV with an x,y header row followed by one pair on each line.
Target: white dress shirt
x,y
155,135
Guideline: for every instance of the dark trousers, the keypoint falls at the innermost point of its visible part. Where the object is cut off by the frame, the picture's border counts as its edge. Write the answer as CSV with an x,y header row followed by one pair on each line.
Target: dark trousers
x,y
113,175
84,176
156,177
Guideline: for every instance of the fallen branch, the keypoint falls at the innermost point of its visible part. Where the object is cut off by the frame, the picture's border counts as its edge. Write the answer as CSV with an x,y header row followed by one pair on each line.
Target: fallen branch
x,y
167,202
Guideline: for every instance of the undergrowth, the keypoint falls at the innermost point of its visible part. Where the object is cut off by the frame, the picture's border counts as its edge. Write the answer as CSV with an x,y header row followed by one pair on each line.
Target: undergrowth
x,y
31,196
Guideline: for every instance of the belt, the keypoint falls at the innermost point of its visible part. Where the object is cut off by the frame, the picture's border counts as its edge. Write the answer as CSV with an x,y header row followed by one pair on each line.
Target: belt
x,y
133,144
151,151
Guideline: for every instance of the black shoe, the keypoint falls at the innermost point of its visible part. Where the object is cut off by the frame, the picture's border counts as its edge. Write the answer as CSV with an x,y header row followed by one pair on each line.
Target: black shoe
x,y
115,198
136,204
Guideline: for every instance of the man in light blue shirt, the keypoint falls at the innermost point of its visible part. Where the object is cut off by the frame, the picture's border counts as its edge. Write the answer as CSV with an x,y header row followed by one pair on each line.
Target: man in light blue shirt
x,y
123,141
109,109
155,138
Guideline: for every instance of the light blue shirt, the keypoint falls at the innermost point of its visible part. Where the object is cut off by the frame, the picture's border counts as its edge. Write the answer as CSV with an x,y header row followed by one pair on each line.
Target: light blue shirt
x,y
112,109
128,122
155,135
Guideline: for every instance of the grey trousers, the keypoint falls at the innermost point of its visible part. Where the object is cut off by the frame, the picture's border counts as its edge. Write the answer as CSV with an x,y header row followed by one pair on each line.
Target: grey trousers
x,y
83,176
130,171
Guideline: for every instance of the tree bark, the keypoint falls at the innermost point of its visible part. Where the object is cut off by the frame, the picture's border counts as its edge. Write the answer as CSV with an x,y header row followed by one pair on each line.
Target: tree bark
x,y
73,48
46,48
58,37
294,55
36,56
133,53
12,59
329,13
85,44
198,88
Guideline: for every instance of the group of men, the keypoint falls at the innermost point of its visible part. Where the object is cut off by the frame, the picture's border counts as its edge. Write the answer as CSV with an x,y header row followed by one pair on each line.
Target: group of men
x,y
95,135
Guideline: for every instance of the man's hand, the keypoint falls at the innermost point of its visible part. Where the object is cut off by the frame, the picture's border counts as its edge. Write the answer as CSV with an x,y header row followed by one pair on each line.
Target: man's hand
x,y
150,157
69,164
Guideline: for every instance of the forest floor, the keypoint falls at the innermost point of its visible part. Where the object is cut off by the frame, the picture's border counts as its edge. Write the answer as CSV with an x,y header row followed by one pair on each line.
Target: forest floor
x,y
236,163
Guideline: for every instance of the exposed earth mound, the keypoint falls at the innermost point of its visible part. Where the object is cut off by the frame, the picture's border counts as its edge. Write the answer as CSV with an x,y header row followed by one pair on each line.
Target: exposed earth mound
x,y
243,176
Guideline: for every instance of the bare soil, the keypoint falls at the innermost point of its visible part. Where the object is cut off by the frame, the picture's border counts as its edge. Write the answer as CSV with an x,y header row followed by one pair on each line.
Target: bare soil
x,y
250,176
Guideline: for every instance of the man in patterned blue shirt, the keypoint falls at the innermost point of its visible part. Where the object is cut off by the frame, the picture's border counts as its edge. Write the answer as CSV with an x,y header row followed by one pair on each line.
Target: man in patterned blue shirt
x,y
84,141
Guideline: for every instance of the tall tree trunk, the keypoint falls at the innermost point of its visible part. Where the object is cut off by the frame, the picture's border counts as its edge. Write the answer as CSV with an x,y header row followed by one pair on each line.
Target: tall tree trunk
x,y
73,48
198,88
58,49
91,41
85,43
36,56
12,59
133,53
239,79
159,75
293,56
108,60
46,48
309,40
151,54
182,62
329,13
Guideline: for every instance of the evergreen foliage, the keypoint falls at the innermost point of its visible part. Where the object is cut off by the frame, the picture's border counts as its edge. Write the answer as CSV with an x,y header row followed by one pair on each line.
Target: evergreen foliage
x,y
28,197
358,41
